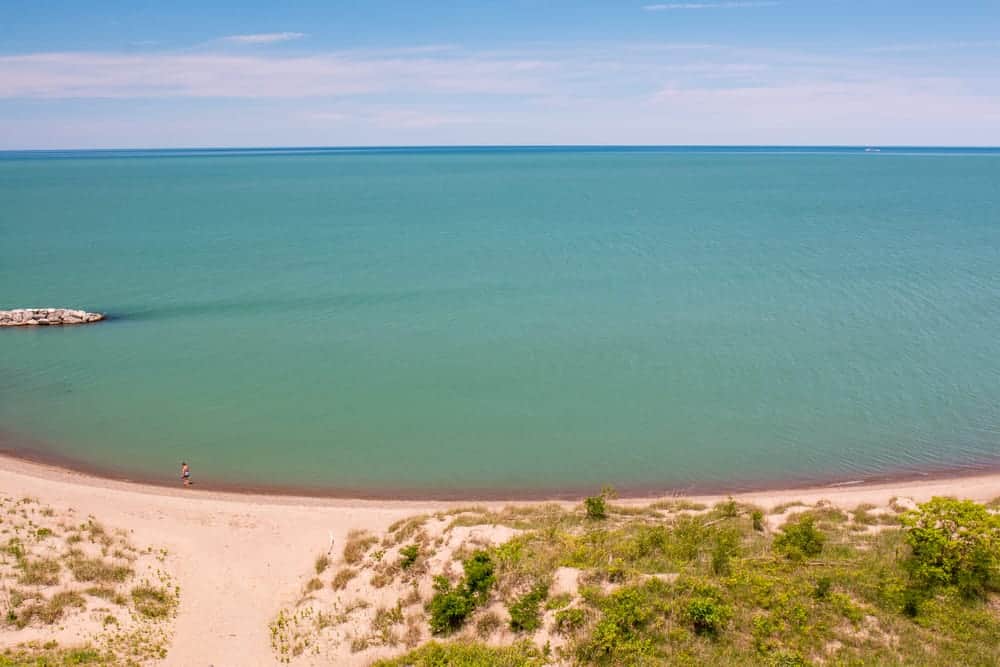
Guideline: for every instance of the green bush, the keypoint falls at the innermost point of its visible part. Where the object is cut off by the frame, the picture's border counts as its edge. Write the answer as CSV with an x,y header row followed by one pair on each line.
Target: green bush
x,y
800,540
596,506
953,542
525,613
727,509
408,556
727,544
569,621
619,637
757,517
707,614
449,607
822,590
479,576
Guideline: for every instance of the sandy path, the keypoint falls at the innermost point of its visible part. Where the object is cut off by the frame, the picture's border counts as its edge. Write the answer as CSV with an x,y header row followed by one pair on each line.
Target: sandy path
x,y
239,558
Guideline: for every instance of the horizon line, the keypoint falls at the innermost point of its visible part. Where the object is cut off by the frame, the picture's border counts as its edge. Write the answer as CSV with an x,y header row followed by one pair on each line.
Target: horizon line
x,y
486,146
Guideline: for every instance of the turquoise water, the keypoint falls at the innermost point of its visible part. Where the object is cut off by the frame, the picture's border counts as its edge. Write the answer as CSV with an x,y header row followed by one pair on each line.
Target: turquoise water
x,y
444,321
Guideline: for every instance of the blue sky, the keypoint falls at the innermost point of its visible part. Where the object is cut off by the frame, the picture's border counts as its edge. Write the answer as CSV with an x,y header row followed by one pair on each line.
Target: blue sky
x,y
158,74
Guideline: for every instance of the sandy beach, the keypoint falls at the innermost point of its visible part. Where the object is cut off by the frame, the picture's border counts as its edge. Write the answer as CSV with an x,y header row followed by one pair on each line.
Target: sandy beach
x,y
238,558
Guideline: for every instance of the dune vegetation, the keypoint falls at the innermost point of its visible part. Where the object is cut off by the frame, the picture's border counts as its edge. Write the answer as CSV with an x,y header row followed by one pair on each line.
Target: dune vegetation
x,y
75,592
671,582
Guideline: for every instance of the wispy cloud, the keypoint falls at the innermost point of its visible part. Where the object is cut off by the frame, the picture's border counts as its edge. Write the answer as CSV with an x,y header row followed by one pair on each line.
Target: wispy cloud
x,y
264,38
123,76
671,6
935,46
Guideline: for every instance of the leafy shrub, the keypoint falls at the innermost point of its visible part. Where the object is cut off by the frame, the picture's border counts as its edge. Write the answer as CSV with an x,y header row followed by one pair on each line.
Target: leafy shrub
x,y
618,636
596,506
707,614
569,621
912,600
757,517
408,556
800,540
559,601
727,544
727,509
953,542
822,590
479,576
525,614
689,536
449,607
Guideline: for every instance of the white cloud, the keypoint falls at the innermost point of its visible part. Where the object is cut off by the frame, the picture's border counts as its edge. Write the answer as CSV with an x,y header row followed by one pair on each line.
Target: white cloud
x,y
671,6
118,76
264,38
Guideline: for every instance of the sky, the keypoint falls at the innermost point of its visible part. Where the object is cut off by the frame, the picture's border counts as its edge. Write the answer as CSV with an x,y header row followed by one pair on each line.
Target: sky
x,y
192,73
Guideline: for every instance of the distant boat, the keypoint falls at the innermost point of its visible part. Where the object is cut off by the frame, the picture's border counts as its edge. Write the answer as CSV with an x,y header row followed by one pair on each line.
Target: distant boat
x,y
873,150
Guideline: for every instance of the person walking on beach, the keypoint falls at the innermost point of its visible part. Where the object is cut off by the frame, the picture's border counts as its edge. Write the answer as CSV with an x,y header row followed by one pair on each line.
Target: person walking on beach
x,y
185,473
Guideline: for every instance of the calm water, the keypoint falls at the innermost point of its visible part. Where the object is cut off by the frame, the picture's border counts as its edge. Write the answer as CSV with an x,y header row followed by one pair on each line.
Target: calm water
x,y
441,320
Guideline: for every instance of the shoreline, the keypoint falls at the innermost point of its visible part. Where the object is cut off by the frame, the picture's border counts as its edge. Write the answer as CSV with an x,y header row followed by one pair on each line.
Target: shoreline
x,y
52,471
18,447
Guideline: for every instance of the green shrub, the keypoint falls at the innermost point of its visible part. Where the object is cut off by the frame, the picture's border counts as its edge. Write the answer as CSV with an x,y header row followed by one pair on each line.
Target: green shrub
x,y
569,621
757,517
408,556
800,540
822,590
707,614
525,613
479,576
596,506
727,544
451,606
618,637
953,542
727,509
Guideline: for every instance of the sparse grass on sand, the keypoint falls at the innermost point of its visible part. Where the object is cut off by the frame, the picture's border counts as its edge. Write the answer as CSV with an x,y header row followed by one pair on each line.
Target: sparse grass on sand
x,y
58,576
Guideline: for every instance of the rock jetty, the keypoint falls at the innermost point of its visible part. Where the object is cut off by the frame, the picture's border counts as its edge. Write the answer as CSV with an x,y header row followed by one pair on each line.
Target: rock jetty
x,y
46,316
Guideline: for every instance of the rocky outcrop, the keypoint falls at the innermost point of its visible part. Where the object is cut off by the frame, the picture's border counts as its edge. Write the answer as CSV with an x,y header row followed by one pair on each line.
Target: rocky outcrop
x,y
46,316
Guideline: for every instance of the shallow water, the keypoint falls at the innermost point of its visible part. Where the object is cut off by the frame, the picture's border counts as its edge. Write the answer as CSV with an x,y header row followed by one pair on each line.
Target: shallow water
x,y
506,320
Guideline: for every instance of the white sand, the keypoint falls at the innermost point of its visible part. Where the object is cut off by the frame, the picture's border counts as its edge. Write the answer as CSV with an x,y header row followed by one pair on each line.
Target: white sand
x,y
239,558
